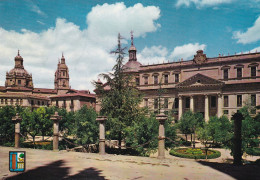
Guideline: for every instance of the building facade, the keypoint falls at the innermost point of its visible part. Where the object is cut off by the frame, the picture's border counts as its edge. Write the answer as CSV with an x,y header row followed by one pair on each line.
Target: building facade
x,y
19,89
212,86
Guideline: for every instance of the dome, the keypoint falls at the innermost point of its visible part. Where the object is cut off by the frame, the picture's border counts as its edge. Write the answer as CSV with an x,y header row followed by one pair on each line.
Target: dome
x,y
18,71
132,66
132,48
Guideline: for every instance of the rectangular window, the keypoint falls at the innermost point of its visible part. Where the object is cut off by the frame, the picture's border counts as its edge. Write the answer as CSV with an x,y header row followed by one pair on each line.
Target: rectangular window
x,y
225,101
19,82
166,102
239,100
11,101
176,78
156,104
176,103
187,102
239,72
253,100
225,112
146,80
225,74
213,101
166,79
253,71
137,81
57,103
32,102
146,102
155,79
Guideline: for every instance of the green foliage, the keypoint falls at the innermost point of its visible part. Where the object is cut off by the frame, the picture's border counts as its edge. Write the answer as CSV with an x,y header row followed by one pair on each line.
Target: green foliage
x,y
255,151
194,154
85,127
220,129
6,124
204,135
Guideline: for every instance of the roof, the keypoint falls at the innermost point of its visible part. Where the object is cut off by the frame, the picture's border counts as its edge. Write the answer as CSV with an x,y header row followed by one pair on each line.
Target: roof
x,y
219,59
2,88
132,66
18,89
20,95
44,90
78,94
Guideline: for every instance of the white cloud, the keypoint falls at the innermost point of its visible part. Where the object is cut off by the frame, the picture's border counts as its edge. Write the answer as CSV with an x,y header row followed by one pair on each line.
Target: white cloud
x,y
34,8
251,35
201,3
160,54
153,55
87,51
186,51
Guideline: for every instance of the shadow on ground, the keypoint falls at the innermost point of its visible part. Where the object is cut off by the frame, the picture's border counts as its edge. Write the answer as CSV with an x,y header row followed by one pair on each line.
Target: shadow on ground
x,y
57,170
248,171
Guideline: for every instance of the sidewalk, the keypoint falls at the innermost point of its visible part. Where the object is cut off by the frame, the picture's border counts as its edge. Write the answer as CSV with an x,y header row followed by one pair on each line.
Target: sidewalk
x,y
44,164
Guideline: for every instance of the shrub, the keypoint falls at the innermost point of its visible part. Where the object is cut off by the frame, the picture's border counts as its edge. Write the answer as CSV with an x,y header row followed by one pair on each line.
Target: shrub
x,y
253,151
212,154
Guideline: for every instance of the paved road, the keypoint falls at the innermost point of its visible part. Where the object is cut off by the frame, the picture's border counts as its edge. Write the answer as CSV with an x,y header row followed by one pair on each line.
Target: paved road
x,y
44,164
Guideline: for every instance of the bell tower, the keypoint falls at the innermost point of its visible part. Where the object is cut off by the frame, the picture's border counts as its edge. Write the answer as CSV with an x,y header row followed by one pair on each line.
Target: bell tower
x,y
132,49
61,81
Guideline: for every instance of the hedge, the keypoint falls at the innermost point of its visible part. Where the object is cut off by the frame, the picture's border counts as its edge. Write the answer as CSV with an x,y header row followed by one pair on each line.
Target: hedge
x,y
253,151
216,154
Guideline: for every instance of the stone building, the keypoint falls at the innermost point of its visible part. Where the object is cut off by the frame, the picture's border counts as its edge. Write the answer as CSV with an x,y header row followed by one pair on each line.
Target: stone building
x,y
19,89
211,86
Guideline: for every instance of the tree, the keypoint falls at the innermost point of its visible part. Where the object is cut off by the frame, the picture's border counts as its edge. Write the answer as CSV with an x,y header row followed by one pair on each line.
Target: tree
x,y
121,102
85,127
31,123
6,124
189,122
44,121
205,137
220,129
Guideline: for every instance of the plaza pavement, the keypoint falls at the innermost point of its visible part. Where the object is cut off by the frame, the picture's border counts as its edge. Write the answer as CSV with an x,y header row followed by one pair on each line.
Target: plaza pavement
x,y
45,164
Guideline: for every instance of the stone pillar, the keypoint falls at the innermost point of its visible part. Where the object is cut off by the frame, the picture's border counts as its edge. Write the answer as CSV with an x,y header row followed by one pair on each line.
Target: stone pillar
x,y
102,120
161,138
180,107
206,108
191,103
56,118
17,120
220,104
237,117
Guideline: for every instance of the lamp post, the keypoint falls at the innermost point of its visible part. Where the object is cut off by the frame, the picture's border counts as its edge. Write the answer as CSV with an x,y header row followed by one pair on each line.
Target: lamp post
x,y
17,120
102,120
56,118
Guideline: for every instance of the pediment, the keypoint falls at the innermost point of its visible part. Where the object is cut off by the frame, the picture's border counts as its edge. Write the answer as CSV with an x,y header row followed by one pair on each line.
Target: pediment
x,y
199,80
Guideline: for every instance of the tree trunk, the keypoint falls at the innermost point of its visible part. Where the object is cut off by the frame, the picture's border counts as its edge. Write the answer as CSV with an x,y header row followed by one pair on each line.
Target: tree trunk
x,y
33,142
186,136
194,140
42,138
120,139
191,139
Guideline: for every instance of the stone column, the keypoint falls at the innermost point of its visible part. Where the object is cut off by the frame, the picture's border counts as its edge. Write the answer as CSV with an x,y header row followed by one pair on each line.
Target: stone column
x,y
237,117
56,118
206,108
180,107
102,120
17,120
161,138
220,104
191,103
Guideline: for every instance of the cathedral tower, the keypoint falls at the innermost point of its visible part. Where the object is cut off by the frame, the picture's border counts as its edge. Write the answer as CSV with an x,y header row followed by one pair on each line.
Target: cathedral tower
x,y
18,76
132,49
61,81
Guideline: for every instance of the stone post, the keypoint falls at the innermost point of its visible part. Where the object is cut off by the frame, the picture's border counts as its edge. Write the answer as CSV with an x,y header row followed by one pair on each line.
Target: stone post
x,y
206,108
56,118
191,103
17,120
237,117
220,104
180,107
161,138
102,120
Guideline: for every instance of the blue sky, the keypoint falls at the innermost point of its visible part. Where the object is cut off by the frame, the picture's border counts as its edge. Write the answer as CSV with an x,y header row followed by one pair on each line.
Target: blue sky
x,y
86,32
